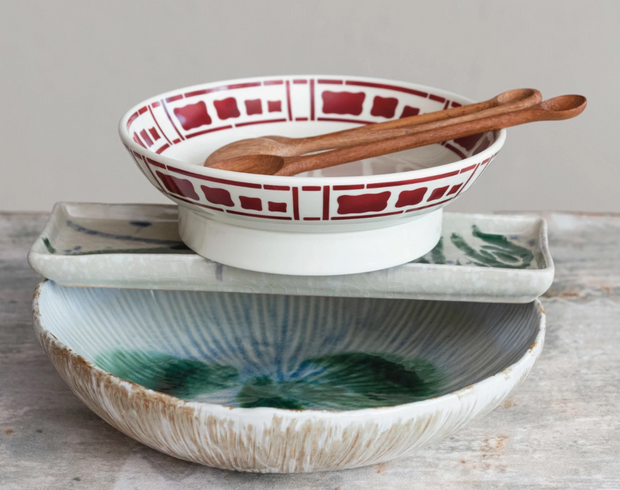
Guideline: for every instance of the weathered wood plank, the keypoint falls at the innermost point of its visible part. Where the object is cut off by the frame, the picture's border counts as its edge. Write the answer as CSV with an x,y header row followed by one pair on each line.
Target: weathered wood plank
x,y
560,430
586,252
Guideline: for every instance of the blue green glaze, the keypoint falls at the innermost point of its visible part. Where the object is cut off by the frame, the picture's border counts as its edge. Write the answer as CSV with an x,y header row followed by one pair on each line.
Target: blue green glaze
x,y
437,254
342,381
48,245
181,248
495,251
303,352
498,251
182,378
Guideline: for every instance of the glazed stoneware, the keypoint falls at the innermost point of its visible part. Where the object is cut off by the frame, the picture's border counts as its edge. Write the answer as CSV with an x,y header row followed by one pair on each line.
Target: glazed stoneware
x,y
272,383
482,258
353,218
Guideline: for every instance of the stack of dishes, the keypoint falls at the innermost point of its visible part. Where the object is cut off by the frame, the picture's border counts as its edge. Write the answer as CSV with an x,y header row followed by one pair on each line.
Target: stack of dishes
x,y
288,324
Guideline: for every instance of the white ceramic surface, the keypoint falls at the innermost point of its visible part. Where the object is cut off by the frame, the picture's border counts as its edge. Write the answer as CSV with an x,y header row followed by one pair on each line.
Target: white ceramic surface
x,y
275,383
483,258
281,224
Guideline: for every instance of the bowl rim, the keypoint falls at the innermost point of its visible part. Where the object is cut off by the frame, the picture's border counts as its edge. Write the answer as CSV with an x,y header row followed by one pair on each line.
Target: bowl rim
x,y
515,373
295,180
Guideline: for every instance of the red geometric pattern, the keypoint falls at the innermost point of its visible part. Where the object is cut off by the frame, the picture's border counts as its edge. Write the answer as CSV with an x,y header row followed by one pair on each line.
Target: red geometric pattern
x,y
438,193
251,203
274,106
226,108
138,140
163,123
277,207
253,107
384,107
154,134
455,189
409,111
193,115
343,102
146,138
468,142
411,198
182,187
216,195
363,203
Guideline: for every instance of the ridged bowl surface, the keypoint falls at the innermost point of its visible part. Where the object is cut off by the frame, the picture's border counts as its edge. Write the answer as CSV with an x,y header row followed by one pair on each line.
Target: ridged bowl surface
x,y
277,383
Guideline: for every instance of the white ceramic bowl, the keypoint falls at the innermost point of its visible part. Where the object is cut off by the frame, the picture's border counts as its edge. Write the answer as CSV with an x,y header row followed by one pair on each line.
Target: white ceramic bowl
x,y
353,218
283,384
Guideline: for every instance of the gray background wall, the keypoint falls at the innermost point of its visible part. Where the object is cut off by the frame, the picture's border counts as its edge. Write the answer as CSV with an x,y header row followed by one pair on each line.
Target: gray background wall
x,y
70,69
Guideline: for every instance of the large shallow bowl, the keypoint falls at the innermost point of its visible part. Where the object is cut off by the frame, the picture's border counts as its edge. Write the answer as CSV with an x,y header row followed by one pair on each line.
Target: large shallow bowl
x,y
353,218
284,383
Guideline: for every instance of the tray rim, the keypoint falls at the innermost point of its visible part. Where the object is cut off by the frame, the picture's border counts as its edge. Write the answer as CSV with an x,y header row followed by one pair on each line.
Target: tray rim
x,y
42,261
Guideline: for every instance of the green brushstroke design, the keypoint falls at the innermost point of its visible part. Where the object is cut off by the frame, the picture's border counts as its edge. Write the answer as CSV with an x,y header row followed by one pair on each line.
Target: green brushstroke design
x,y
437,253
376,379
168,249
182,378
498,251
347,381
174,249
342,381
262,391
48,245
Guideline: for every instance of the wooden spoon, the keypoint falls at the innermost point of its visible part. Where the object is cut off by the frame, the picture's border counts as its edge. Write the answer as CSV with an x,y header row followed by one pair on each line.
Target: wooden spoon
x,y
558,108
287,147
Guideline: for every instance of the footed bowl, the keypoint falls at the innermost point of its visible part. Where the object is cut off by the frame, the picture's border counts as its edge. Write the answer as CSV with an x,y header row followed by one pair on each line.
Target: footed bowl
x,y
358,217
282,384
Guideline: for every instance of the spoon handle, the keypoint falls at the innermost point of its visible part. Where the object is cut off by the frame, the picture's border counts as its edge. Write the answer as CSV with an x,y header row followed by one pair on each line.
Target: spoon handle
x,y
558,108
510,100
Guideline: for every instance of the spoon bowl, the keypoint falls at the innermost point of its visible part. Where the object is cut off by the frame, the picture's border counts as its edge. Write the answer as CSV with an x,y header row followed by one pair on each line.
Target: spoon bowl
x,y
564,106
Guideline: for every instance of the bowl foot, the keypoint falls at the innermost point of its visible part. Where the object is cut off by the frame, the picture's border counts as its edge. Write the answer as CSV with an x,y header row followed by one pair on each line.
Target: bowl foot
x,y
321,253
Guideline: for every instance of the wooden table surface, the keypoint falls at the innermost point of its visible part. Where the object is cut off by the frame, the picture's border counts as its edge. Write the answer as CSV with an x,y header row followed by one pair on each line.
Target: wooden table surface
x,y
560,430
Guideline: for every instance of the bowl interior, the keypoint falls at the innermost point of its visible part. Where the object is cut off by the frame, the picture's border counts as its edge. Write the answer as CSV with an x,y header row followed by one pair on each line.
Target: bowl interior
x,y
189,124
296,352
196,150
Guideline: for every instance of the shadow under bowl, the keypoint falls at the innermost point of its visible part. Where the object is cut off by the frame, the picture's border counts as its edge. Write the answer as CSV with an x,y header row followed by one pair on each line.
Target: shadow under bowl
x,y
274,383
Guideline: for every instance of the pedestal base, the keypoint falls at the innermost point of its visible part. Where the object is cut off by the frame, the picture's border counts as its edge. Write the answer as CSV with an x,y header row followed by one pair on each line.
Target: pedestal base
x,y
321,253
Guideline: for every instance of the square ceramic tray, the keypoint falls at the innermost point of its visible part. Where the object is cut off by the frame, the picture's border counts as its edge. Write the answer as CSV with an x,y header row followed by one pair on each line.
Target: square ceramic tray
x,y
482,258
